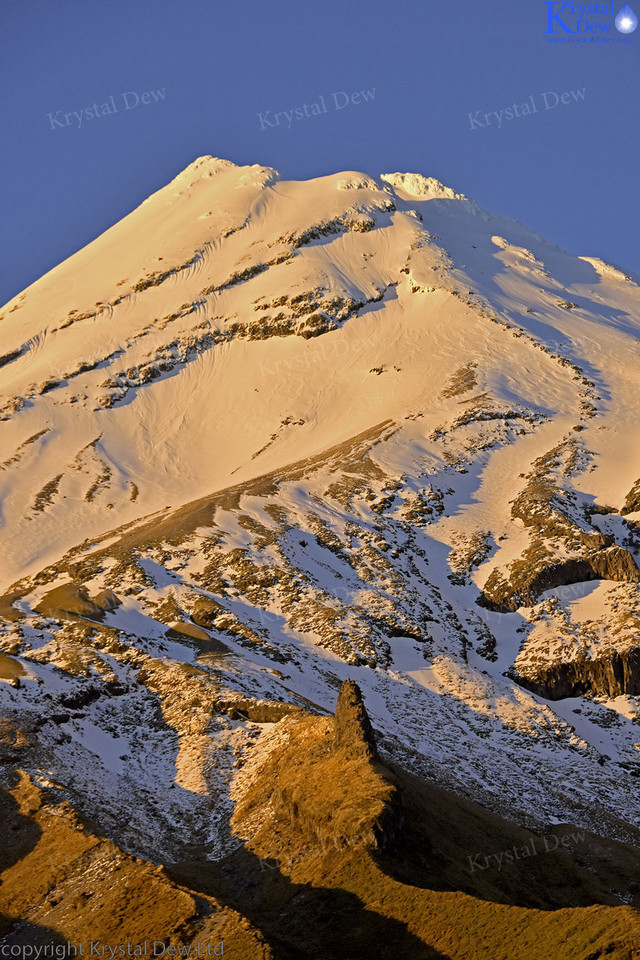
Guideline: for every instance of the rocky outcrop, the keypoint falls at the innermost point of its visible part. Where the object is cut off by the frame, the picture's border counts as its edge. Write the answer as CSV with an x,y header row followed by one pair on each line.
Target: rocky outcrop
x,y
205,612
632,499
614,563
525,583
614,675
107,600
564,546
352,728
72,600
188,632
325,787
257,711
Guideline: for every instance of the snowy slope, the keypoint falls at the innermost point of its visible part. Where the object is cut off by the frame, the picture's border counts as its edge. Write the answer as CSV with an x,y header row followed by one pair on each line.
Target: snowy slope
x,y
344,411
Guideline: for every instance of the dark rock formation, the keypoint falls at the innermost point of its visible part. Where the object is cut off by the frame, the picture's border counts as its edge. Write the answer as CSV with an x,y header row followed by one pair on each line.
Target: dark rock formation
x,y
205,611
613,675
107,600
632,499
258,711
78,699
524,584
352,727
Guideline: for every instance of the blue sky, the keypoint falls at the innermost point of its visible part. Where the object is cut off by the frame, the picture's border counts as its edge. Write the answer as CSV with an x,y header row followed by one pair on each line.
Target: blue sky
x,y
437,70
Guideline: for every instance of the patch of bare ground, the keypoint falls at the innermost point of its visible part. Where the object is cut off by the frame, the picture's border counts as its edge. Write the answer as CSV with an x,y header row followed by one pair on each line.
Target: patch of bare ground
x,y
45,497
463,380
72,600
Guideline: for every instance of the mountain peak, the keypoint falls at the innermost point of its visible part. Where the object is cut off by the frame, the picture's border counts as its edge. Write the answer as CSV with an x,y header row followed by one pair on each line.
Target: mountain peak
x,y
422,188
205,166
346,416
264,440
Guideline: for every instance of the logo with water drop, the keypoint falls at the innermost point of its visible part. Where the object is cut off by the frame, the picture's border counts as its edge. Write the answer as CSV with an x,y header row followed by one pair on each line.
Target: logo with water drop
x,y
626,21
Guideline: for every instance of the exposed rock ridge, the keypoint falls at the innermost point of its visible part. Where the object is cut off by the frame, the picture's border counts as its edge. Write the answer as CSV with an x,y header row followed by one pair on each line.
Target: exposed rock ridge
x,y
632,500
614,675
564,547
324,788
352,728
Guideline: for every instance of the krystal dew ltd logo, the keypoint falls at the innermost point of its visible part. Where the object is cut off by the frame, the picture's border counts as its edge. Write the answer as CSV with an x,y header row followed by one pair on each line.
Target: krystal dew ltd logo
x,y
588,18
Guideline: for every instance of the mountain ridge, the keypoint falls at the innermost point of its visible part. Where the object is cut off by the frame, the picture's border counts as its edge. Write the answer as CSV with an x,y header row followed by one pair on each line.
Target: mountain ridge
x,y
348,430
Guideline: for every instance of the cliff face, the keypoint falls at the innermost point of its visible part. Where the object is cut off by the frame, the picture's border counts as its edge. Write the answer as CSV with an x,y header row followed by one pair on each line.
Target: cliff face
x,y
588,647
572,658
564,546
524,584
614,675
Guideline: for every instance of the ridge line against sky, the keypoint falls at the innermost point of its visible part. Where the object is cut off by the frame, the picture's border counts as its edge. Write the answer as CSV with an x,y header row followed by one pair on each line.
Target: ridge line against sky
x,y
524,108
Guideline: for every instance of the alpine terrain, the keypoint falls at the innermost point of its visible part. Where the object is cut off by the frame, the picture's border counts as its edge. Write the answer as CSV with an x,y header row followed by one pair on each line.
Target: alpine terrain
x,y
320,583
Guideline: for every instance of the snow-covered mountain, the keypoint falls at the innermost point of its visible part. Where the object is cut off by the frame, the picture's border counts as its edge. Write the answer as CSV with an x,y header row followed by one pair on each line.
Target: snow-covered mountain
x,y
263,436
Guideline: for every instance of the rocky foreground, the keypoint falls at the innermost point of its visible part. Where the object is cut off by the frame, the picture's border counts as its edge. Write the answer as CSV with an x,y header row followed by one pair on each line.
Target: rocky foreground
x,y
339,853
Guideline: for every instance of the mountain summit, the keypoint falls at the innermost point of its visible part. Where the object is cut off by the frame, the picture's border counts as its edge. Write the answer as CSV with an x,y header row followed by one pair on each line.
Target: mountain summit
x,y
263,437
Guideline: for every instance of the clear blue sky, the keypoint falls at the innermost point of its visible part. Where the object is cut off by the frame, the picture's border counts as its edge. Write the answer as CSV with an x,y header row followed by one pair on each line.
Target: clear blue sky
x,y
567,170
